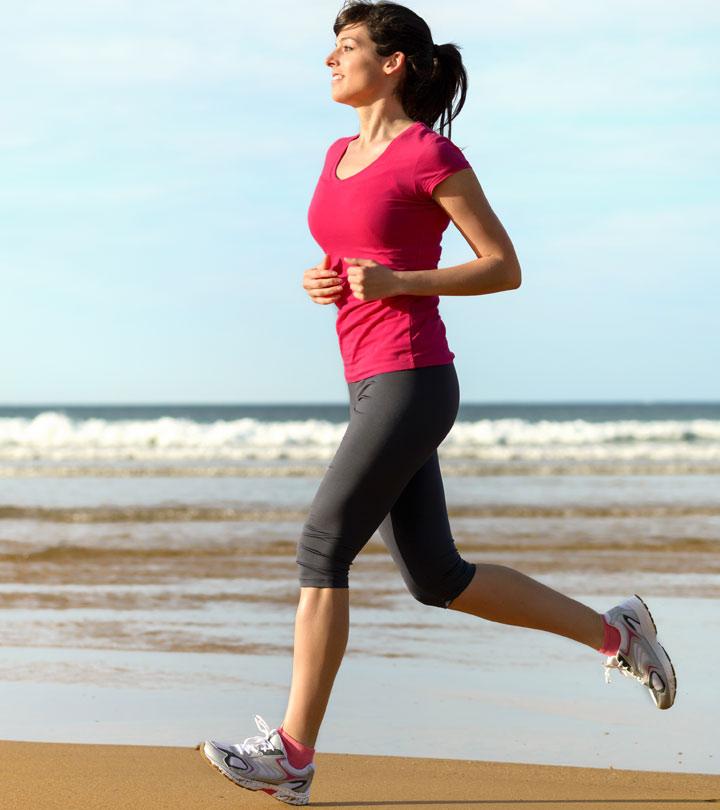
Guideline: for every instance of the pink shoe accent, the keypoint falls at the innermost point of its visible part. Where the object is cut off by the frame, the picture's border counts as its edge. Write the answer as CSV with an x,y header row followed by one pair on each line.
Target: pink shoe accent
x,y
298,755
611,642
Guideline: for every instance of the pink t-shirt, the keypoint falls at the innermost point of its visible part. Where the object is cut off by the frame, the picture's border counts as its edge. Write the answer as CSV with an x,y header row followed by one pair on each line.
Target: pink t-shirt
x,y
386,213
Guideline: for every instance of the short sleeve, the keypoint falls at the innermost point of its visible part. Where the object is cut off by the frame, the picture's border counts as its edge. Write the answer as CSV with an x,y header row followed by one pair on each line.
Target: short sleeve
x,y
438,160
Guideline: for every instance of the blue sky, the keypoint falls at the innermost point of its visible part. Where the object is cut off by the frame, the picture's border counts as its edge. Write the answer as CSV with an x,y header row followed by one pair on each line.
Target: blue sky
x,y
158,160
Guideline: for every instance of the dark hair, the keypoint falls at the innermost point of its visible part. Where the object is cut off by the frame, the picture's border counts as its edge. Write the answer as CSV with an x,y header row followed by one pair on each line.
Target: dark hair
x,y
434,73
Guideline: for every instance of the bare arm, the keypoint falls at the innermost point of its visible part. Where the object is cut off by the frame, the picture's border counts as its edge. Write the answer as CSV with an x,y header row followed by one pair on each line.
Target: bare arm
x,y
497,267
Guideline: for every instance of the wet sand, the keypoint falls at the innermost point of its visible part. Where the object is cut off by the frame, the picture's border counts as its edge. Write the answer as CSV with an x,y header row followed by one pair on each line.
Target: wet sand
x,y
163,613
76,776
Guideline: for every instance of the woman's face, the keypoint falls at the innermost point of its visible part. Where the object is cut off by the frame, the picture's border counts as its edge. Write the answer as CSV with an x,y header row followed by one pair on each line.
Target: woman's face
x,y
362,76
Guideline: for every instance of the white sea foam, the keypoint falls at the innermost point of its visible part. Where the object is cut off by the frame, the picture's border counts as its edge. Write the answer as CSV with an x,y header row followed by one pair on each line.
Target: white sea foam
x,y
54,437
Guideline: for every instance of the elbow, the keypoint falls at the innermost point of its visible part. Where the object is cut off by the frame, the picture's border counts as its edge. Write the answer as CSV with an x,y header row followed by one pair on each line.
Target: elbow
x,y
514,276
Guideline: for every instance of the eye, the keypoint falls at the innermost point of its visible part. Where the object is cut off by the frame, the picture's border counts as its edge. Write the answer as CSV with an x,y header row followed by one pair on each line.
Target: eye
x,y
347,48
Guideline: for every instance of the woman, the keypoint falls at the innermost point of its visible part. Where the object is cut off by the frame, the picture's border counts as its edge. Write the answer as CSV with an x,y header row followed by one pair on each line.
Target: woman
x,y
385,197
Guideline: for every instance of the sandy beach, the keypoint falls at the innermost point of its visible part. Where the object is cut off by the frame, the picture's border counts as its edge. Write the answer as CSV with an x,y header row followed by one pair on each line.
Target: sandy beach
x,y
66,776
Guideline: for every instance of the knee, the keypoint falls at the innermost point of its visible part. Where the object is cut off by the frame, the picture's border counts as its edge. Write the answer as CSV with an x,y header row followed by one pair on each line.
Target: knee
x,y
440,589
321,559
429,598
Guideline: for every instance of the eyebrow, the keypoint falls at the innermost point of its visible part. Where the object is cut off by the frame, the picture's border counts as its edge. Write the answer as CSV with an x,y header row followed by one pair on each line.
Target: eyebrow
x,y
344,38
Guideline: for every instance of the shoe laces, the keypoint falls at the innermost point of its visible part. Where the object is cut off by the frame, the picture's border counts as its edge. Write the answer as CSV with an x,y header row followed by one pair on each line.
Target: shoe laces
x,y
260,743
613,662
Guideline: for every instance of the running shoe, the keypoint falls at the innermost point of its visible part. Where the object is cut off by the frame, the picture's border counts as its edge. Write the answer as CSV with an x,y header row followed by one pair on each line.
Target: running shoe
x,y
640,655
261,763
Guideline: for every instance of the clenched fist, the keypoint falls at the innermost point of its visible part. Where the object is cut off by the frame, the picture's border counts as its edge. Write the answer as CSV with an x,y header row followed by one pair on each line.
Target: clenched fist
x,y
370,281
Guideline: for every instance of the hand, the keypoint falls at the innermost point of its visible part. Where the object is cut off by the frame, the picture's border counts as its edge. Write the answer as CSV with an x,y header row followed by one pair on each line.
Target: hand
x,y
370,281
322,283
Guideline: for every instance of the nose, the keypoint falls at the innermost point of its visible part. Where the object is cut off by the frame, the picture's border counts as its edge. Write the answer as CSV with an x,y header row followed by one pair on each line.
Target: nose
x,y
331,58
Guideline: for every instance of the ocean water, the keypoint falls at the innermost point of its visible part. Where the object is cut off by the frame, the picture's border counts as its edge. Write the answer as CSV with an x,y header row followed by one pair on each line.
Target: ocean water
x,y
285,440
150,550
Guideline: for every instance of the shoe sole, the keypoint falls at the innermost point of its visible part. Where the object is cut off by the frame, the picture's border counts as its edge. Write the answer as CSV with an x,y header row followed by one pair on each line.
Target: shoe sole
x,y
278,793
646,628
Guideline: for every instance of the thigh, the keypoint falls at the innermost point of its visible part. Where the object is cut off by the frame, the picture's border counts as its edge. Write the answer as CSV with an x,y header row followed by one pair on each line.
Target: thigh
x,y
397,420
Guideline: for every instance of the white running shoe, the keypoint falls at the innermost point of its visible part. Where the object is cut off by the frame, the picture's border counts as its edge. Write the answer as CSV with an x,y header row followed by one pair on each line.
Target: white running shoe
x,y
640,655
261,763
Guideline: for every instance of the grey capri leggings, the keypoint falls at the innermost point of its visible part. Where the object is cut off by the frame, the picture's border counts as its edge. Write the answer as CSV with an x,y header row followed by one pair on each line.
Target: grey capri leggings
x,y
386,474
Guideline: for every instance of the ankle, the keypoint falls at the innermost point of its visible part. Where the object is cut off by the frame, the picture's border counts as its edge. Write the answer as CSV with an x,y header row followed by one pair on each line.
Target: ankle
x,y
612,639
298,754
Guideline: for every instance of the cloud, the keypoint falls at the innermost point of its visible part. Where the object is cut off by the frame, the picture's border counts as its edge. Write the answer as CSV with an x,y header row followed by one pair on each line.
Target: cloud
x,y
516,18
53,196
146,59
626,76
670,244
122,42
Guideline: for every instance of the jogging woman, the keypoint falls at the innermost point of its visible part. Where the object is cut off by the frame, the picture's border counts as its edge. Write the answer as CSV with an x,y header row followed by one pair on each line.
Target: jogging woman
x,y
380,207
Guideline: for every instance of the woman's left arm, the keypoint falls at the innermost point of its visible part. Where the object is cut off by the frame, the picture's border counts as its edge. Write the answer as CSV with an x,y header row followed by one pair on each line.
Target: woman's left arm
x,y
497,267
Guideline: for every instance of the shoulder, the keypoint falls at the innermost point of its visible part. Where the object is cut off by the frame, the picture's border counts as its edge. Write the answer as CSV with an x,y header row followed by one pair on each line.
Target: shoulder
x,y
437,158
342,140
332,151
434,146
335,145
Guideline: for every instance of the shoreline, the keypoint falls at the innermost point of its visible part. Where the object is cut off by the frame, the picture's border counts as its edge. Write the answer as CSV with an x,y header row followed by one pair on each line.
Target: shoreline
x,y
455,687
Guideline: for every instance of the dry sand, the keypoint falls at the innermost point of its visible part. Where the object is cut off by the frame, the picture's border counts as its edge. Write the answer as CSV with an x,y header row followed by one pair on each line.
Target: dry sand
x,y
74,776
